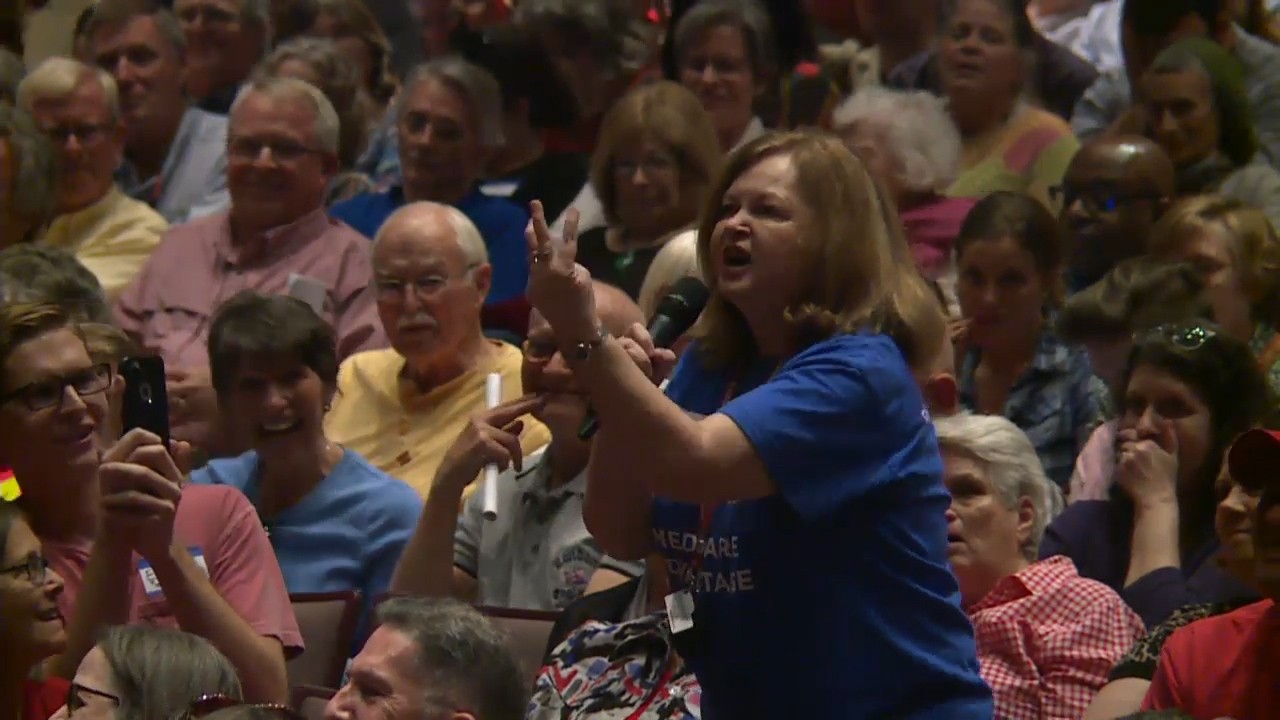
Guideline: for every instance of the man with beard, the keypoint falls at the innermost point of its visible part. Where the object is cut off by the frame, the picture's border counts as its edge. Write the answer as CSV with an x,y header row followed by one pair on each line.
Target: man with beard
x,y
1115,190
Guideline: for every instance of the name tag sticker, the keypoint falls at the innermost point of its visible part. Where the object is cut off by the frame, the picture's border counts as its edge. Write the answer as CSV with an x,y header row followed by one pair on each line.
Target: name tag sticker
x,y
309,291
198,555
151,582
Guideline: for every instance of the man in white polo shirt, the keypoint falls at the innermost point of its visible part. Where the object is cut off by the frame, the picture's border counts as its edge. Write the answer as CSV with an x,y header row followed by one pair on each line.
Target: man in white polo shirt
x,y
537,554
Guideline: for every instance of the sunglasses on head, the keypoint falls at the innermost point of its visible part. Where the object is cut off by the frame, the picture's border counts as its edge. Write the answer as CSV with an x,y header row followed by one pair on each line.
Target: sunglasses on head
x,y
206,705
1183,337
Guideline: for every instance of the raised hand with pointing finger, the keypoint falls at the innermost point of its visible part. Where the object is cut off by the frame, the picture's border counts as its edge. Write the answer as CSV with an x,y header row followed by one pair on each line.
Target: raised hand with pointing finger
x,y
491,437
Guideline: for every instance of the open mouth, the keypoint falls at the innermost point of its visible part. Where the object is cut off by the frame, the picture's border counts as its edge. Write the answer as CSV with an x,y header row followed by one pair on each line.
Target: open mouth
x,y
49,614
736,256
282,427
78,435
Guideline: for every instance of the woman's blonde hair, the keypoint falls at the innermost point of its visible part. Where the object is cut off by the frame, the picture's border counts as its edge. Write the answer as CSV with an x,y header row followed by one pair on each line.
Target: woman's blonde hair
x,y
858,272
677,259
1256,250
669,114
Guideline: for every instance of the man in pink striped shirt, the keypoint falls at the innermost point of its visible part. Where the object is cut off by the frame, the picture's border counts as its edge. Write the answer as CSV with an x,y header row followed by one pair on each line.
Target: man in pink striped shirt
x,y
276,238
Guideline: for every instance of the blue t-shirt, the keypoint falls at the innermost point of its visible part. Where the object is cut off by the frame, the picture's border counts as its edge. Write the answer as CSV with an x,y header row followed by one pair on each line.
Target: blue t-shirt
x,y
501,223
832,598
346,534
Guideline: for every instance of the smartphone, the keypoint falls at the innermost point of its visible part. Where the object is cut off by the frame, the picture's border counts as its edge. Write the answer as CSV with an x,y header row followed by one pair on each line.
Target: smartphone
x,y
146,403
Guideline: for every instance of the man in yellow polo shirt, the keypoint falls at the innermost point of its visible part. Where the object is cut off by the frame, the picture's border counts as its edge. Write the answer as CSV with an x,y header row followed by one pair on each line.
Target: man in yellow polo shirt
x,y
402,408
78,107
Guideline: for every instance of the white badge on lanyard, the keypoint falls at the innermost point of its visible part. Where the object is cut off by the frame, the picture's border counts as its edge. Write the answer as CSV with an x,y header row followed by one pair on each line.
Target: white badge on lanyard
x,y
680,611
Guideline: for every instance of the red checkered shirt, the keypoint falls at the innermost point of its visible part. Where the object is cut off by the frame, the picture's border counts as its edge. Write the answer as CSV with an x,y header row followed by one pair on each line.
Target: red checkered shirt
x,y
1047,639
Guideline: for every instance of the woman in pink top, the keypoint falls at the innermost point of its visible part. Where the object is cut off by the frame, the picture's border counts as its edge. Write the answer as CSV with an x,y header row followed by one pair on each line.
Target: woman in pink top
x,y
908,142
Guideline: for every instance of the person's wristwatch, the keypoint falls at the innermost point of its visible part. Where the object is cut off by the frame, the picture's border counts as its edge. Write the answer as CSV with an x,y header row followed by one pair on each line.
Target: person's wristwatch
x,y
581,351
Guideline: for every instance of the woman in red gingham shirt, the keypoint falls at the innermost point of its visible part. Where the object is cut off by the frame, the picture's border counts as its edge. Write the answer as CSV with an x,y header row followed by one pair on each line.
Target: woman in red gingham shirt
x,y
1046,636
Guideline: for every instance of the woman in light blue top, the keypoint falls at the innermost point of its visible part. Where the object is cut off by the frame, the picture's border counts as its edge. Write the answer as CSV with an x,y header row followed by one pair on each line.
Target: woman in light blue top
x,y
335,521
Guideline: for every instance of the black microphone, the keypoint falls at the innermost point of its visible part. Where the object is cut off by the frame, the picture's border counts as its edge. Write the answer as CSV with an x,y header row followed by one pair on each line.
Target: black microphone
x,y
677,312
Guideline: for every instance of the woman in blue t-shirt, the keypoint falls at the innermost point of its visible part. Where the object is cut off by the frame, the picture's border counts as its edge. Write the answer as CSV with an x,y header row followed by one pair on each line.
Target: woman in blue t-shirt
x,y
791,479
336,522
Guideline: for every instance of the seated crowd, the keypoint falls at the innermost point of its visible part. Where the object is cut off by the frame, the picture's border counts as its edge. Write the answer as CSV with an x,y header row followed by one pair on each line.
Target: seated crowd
x,y
1005,267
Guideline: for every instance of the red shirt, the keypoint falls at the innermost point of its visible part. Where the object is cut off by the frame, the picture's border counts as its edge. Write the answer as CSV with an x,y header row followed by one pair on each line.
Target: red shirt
x,y
42,698
1047,639
1223,665
220,526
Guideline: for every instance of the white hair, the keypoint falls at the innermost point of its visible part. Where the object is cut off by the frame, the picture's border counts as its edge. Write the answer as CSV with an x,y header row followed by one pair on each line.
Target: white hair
x,y
287,88
477,86
1011,463
58,77
469,239
919,131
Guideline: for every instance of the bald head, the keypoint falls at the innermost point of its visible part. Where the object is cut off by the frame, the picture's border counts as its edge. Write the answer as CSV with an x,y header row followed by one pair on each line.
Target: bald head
x,y
1130,159
616,310
1115,190
433,223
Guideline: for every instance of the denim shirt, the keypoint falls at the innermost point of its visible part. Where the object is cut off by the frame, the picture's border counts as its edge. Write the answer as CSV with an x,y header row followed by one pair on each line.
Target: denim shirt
x,y
1057,402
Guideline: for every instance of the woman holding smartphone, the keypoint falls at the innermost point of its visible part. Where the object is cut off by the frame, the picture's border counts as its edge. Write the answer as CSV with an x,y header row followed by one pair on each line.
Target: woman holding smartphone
x,y
802,512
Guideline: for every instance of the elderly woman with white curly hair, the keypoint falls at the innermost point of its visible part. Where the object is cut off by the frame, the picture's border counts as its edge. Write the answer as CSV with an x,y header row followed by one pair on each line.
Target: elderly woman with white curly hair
x,y
908,141
1046,636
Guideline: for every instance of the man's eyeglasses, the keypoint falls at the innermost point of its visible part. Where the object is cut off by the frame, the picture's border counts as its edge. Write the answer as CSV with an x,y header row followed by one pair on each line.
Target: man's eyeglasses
x,y
208,704
250,149
76,693
1093,202
84,133
391,289
35,569
1184,337
44,394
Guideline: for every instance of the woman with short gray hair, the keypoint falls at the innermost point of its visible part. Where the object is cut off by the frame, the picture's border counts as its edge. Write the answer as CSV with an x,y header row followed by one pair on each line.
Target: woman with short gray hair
x,y
27,176
139,672
910,145
724,52
1046,636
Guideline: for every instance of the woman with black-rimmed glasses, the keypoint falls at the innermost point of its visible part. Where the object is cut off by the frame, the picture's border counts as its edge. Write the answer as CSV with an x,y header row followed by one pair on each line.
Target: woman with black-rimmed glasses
x,y
31,628
1188,390
138,672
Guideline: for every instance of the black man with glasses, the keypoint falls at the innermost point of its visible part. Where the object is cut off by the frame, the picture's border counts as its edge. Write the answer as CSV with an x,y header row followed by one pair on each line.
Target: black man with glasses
x,y
78,108
1188,391
1115,190
31,626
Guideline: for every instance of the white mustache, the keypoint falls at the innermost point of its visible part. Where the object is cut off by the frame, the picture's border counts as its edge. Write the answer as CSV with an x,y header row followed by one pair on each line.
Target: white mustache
x,y
416,320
